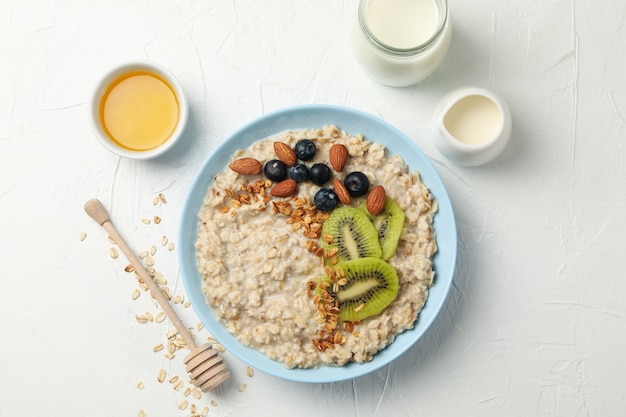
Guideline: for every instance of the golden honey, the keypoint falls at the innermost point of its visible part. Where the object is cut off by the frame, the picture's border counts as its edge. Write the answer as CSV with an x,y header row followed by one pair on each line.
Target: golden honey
x,y
139,111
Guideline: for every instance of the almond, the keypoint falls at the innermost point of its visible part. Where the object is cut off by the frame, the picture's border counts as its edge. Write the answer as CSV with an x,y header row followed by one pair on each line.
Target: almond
x,y
246,166
341,191
285,153
376,199
284,188
338,156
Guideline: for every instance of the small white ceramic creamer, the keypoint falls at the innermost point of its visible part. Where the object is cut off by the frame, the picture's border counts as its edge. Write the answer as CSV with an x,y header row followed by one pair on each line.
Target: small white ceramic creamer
x,y
474,126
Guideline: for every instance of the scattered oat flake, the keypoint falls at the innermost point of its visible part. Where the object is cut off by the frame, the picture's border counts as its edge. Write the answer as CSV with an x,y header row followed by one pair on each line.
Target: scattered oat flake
x,y
193,408
213,403
166,293
142,254
111,240
173,379
160,316
170,247
162,198
249,372
178,385
161,375
186,304
135,294
141,413
183,404
158,347
82,236
196,393
152,250
204,411
155,201
200,326
186,392
156,220
164,241
145,221
242,387
140,385
113,253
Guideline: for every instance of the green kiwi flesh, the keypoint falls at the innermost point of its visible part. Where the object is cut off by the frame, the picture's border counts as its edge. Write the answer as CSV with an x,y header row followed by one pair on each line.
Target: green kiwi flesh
x,y
389,224
372,285
353,234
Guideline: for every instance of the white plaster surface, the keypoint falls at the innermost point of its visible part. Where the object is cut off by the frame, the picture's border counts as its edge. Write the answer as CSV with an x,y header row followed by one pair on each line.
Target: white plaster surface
x,y
535,324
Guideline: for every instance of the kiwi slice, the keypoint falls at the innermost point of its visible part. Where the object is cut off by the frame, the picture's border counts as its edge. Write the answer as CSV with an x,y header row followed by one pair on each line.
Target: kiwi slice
x,y
353,234
372,284
389,224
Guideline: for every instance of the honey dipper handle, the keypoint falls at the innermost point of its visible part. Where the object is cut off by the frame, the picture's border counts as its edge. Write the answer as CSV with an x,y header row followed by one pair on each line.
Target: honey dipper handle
x,y
96,211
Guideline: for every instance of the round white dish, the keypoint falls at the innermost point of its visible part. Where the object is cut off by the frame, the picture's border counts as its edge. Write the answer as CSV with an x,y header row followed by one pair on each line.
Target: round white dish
x,y
107,79
318,116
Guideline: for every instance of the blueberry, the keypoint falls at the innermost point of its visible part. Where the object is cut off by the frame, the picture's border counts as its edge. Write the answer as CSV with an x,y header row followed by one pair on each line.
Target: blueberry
x,y
319,174
275,170
356,183
325,199
299,173
305,149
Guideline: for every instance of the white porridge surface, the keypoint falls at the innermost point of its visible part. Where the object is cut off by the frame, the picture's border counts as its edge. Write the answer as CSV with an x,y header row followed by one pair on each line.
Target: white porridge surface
x,y
255,262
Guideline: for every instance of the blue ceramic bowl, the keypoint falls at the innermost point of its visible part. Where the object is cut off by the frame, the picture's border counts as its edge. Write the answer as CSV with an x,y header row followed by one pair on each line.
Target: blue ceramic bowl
x,y
354,122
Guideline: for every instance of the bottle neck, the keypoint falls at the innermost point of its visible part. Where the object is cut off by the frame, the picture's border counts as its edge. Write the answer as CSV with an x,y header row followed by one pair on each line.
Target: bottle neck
x,y
419,48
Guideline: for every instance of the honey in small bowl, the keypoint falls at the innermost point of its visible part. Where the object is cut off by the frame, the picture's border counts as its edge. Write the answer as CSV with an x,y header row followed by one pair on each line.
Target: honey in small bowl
x,y
138,110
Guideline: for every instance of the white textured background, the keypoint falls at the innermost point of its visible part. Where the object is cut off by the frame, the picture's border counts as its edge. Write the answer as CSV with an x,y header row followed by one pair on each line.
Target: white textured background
x,y
535,324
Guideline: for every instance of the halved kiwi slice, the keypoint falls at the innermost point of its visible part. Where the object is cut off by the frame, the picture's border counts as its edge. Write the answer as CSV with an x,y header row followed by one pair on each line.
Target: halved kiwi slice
x,y
389,224
372,284
353,234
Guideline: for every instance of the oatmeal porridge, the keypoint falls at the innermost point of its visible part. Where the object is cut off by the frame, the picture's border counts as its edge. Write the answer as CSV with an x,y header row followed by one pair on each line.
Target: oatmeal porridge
x,y
261,251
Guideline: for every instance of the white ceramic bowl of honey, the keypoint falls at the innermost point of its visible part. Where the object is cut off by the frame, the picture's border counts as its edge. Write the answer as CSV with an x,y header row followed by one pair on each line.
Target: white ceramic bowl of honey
x,y
474,126
138,110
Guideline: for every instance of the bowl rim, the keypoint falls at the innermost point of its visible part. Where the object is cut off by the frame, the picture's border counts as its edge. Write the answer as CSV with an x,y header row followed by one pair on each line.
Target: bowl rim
x,y
187,234
107,78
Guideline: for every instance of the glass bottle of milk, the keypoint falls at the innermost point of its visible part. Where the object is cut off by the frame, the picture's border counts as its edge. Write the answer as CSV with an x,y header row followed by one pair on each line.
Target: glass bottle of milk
x,y
400,42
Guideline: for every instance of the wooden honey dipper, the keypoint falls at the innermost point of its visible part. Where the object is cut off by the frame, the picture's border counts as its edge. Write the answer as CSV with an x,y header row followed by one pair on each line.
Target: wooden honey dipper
x,y
205,367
